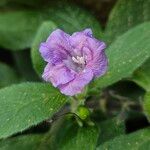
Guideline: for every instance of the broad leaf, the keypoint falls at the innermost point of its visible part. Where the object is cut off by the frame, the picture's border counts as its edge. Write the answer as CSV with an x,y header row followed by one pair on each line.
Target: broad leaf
x,y
27,104
125,15
132,141
18,28
126,54
43,33
142,76
109,129
7,75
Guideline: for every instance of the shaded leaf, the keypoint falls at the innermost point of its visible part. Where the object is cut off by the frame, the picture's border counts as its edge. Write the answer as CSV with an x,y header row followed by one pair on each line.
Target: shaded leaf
x,y
17,28
27,104
7,75
132,141
110,129
125,15
71,18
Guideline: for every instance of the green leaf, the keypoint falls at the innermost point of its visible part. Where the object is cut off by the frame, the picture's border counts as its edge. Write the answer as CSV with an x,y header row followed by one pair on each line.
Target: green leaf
x,y
27,104
42,141
26,142
146,105
64,135
72,18
71,136
126,54
18,28
7,75
132,141
142,76
125,15
41,36
24,24
110,129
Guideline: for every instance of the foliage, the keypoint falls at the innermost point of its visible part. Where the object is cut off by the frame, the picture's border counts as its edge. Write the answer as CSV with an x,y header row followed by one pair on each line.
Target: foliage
x,y
35,115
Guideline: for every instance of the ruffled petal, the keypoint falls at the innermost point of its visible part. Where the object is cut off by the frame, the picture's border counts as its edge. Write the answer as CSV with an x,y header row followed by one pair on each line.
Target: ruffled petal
x,y
57,74
78,40
56,48
98,64
76,86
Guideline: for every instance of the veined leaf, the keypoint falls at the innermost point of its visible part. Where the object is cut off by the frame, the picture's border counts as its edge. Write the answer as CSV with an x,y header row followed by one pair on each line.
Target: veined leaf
x,y
27,104
132,141
126,54
125,15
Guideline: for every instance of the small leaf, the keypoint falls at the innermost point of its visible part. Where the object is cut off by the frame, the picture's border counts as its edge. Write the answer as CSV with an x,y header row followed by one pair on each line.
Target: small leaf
x,y
27,104
126,54
41,36
142,76
7,75
133,141
125,15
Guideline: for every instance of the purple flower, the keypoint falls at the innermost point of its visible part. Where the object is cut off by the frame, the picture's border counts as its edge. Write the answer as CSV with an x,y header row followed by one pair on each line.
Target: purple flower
x,y
73,61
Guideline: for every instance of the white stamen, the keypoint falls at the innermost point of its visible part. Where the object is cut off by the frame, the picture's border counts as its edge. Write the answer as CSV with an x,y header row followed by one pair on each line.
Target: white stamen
x,y
79,60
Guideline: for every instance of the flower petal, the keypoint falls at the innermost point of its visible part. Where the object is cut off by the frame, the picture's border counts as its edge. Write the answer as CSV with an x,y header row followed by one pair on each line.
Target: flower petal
x,y
56,48
58,74
99,63
76,86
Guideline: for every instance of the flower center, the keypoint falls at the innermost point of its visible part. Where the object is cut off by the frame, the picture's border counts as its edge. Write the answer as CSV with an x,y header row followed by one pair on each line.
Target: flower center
x,y
79,60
